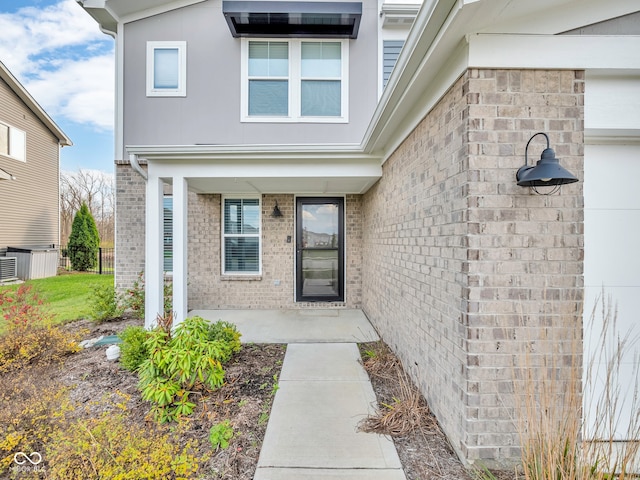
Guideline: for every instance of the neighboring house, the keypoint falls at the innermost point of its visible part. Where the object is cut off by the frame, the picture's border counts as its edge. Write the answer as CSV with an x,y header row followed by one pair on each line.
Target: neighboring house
x,y
396,187
30,144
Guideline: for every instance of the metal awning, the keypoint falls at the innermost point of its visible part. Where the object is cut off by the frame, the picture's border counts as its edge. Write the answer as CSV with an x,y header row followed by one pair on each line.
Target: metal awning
x,y
293,19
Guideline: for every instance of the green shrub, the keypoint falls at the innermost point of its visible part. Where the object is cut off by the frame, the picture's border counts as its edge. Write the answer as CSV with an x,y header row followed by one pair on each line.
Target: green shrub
x,y
178,365
133,350
220,434
228,334
105,303
84,241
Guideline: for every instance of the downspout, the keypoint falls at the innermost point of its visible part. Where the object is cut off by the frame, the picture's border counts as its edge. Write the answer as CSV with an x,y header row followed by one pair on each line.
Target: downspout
x,y
133,159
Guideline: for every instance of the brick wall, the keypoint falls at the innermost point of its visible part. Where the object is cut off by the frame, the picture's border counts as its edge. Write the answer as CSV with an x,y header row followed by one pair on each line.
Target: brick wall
x,y
461,267
130,225
207,288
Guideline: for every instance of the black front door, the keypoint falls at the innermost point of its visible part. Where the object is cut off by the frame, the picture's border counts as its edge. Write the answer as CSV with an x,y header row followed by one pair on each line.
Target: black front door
x,y
320,249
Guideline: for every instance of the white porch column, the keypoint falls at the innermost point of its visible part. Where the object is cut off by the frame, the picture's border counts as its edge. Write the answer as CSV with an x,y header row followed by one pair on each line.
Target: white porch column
x,y
153,277
180,228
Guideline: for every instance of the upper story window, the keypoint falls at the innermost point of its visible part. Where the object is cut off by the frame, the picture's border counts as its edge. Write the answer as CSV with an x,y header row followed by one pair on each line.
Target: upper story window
x,y
295,80
13,142
167,69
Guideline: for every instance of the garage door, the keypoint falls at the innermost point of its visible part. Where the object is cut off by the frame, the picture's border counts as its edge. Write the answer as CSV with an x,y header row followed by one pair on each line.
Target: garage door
x,y
612,270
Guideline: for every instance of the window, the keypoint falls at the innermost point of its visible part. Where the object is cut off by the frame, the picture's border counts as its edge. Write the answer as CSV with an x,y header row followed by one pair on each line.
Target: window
x,y
166,69
167,204
13,142
295,81
241,236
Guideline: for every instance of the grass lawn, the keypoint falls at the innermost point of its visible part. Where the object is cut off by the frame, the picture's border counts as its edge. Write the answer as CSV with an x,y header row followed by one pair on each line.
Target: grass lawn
x,y
68,296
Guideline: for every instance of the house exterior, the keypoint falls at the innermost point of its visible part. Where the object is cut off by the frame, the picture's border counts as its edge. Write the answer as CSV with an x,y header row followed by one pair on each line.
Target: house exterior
x,y
30,143
306,166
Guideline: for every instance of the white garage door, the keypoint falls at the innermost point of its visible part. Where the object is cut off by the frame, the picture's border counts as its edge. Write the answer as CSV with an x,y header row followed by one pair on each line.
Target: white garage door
x,y
612,266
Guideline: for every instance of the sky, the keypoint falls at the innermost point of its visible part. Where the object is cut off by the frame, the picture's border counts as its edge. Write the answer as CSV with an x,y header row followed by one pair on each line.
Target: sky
x,y
58,53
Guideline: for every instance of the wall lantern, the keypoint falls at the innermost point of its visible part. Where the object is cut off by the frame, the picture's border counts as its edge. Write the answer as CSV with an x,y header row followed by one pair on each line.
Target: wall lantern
x,y
546,173
4,175
276,211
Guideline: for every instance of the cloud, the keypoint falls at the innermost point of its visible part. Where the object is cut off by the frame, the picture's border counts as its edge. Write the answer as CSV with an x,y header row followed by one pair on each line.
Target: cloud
x,y
59,54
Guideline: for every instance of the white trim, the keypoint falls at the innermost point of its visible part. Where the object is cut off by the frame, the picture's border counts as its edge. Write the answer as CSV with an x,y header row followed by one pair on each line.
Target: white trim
x,y
180,248
181,90
32,105
118,137
223,271
12,132
563,52
294,78
154,281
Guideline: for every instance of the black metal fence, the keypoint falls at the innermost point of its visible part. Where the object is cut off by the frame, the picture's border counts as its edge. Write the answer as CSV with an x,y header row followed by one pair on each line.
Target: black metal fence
x,y
103,263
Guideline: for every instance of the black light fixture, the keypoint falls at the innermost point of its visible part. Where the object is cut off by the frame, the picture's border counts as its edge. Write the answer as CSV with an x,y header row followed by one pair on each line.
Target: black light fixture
x,y
276,211
546,173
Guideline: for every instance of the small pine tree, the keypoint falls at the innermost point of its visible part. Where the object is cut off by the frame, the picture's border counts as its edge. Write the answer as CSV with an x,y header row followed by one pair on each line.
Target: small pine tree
x,y
84,241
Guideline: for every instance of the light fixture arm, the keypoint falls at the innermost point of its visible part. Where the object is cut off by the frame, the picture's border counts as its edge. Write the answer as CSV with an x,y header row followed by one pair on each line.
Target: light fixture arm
x,y
526,149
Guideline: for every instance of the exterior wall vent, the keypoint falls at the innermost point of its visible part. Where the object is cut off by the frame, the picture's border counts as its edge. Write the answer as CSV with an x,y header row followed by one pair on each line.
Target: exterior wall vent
x,y
8,269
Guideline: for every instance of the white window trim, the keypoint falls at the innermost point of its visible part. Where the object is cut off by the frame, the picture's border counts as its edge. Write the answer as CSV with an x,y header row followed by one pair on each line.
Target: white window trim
x,y
22,156
181,91
224,235
295,82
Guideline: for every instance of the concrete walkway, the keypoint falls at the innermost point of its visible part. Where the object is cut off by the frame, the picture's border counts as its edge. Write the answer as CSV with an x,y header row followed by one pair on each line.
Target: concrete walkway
x,y
324,392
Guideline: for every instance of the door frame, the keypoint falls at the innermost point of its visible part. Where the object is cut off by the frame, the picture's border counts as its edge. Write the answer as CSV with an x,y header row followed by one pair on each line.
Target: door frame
x,y
305,200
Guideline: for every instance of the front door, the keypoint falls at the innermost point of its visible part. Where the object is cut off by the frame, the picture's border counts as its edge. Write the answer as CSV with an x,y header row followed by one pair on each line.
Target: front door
x,y
319,249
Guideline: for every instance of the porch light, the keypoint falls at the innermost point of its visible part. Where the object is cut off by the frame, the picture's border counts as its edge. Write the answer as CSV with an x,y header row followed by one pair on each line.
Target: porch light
x,y
276,211
547,173
4,175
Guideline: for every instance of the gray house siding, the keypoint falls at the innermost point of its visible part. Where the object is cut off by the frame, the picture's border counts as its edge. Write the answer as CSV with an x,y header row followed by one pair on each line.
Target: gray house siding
x,y
210,112
28,204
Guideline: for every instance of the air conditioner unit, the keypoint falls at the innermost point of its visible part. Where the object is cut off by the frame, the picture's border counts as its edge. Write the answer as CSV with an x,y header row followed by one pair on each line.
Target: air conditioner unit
x,y
8,269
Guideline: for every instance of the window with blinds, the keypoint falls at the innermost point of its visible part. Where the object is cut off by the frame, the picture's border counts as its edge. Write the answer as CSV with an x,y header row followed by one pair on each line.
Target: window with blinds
x,y
241,236
167,69
295,80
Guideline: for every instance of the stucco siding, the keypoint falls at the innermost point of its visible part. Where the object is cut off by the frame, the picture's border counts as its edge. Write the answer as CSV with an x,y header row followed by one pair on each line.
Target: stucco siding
x,y
210,112
29,204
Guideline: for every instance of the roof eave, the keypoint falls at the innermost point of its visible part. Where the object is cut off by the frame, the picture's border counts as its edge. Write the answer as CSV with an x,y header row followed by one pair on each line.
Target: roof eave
x,y
31,103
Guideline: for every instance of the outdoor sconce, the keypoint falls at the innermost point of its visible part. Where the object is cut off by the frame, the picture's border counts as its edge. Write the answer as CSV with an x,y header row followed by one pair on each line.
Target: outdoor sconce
x,y
276,211
546,173
4,175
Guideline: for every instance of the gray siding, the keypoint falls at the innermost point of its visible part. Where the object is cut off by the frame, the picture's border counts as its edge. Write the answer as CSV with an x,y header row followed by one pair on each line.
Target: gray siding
x,y
210,113
29,204
390,51
625,25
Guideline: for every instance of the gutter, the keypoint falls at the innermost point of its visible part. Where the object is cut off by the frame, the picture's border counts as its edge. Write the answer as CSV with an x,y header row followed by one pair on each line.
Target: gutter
x,y
133,159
